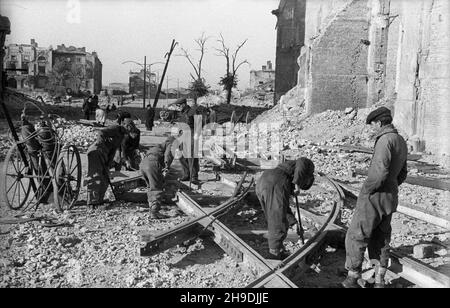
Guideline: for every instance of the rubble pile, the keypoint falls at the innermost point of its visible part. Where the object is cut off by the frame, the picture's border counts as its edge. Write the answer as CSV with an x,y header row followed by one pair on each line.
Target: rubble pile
x,y
100,249
5,144
211,100
76,134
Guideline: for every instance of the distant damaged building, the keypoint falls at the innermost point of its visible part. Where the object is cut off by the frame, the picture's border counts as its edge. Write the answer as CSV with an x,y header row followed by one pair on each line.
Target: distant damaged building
x,y
85,69
290,38
29,66
264,77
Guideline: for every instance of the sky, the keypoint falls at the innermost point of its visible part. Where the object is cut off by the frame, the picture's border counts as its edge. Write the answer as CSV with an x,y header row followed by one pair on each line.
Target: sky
x,y
124,30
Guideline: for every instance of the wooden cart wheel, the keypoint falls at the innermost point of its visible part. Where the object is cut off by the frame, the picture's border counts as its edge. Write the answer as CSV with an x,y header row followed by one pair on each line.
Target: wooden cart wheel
x,y
15,180
67,178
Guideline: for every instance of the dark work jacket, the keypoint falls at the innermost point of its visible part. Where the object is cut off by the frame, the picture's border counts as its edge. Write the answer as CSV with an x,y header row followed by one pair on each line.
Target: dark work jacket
x,y
108,142
188,116
281,177
86,107
28,130
150,117
388,170
130,144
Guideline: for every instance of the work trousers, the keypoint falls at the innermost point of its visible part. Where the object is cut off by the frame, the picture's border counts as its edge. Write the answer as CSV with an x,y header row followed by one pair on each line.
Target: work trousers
x,y
97,180
186,164
40,169
151,170
368,229
278,214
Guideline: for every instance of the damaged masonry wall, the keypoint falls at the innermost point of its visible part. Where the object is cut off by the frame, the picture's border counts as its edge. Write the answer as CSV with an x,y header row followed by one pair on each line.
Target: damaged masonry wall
x,y
336,54
358,52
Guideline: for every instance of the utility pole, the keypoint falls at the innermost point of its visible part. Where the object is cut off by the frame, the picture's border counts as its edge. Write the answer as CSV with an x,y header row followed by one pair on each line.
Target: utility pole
x,y
150,83
145,73
167,89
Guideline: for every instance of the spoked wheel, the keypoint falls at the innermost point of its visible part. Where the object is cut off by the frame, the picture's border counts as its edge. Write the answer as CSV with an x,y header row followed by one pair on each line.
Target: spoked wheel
x,y
15,179
67,177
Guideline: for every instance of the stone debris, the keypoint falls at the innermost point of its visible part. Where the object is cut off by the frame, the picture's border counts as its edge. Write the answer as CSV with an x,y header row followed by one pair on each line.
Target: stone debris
x,y
76,134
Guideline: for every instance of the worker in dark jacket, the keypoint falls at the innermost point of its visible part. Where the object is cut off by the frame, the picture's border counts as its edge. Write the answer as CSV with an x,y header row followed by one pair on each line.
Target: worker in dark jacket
x,y
190,165
39,166
100,159
128,154
273,190
149,118
371,223
153,166
86,108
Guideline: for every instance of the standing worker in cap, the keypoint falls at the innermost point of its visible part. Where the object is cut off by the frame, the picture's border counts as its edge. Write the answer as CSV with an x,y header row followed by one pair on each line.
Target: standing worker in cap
x,y
371,223
152,167
273,190
101,157
189,164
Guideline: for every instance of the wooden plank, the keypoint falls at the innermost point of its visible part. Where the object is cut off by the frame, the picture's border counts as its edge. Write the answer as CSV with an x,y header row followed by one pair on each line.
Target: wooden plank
x,y
360,149
408,210
419,181
418,273
420,215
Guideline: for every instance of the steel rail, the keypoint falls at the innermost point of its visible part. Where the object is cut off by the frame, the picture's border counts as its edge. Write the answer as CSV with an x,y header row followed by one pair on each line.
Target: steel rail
x,y
154,243
287,266
232,244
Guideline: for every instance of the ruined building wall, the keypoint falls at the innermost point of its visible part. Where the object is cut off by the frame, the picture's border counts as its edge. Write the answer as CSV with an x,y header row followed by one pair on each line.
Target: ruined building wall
x,y
362,51
290,37
336,39
421,80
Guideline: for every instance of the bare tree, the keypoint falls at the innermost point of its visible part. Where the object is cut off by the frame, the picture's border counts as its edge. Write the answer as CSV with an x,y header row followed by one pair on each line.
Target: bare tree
x,y
229,81
198,87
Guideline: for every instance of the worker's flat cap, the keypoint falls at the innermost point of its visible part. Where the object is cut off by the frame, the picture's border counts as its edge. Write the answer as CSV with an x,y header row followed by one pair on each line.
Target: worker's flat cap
x,y
180,101
378,114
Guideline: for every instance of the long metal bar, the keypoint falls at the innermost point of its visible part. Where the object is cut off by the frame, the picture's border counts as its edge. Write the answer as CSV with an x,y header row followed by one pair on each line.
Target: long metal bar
x,y
155,243
231,243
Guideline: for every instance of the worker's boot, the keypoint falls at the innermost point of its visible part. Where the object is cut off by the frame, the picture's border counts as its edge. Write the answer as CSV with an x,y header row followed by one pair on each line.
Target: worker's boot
x,y
157,215
379,278
279,254
351,282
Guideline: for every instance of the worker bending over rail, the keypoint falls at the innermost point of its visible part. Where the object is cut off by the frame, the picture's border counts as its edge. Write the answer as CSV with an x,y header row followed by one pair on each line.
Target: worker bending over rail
x,y
273,190
371,223
101,157
153,168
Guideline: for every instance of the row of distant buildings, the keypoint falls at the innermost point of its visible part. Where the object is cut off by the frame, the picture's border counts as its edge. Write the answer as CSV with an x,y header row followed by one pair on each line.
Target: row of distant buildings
x,y
29,66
